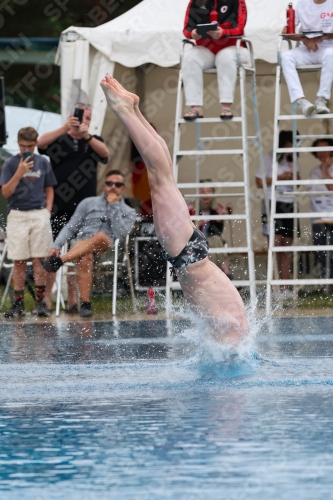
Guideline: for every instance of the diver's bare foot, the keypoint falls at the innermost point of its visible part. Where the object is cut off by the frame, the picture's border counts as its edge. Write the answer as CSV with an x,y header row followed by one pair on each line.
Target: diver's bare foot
x,y
123,91
115,99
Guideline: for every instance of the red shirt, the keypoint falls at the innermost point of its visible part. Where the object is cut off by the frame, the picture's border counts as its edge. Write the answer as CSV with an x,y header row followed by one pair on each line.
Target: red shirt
x,y
231,18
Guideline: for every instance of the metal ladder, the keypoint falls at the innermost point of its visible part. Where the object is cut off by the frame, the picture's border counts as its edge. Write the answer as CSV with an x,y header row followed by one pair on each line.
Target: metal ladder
x,y
298,140
200,151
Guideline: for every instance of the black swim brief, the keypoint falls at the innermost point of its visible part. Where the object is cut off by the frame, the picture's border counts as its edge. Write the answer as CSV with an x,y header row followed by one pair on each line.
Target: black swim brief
x,y
196,249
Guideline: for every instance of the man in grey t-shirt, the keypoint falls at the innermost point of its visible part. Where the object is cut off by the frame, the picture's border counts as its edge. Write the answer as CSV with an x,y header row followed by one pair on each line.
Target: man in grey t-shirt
x,y
27,182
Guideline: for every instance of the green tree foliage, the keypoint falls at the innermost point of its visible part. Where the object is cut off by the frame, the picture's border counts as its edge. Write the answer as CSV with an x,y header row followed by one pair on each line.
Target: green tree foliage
x,y
25,83
48,18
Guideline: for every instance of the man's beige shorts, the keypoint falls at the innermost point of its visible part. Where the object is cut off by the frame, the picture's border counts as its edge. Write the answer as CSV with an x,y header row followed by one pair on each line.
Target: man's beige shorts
x,y
29,234
217,242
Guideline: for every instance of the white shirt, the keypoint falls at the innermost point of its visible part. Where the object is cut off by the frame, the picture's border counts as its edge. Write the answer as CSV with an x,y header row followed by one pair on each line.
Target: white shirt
x,y
283,166
312,16
320,203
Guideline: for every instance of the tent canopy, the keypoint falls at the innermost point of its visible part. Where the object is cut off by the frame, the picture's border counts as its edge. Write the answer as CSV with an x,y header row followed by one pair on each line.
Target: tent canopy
x,y
151,32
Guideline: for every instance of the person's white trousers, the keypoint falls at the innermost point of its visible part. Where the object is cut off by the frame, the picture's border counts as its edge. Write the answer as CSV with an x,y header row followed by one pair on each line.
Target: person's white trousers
x,y
198,59
300,56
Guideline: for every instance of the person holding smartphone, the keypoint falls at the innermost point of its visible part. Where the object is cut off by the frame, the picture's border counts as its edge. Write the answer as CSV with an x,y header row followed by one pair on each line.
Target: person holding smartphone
x,y
96,223
74,154
217,50
27,182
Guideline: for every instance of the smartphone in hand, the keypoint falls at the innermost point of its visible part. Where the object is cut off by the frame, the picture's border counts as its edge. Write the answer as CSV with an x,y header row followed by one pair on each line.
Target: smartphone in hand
x,y
78,113
26,155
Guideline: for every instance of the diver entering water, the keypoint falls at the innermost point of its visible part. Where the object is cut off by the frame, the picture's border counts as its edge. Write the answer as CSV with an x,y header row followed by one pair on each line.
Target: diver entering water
x,y
207,289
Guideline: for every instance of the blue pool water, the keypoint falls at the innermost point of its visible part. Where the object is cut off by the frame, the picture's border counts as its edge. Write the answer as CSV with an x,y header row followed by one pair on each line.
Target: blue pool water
x,y
136,410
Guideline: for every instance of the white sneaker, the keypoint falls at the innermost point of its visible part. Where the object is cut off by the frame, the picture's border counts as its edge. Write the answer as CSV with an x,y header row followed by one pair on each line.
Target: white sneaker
x,y
306,107
321,107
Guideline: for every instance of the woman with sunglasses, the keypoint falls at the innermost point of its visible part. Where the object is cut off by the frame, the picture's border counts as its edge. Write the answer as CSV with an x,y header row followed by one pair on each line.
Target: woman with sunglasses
x,y
96,223
205,286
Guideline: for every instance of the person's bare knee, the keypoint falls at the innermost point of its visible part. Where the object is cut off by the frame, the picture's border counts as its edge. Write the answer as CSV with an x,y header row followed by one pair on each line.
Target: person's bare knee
x,y
20,263
101,242
278,240
287,242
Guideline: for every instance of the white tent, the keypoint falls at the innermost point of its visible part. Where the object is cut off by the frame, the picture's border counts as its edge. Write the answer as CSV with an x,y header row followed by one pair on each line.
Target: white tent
x,y
151,32
142,49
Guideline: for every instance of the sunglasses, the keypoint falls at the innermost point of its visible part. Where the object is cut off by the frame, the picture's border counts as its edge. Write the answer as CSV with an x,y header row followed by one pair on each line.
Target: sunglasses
x,y
117,184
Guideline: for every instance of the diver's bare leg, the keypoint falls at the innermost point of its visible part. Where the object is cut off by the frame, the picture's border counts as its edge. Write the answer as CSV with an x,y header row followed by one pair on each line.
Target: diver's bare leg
x,y
153,132
145,123
204,285
142,119
156,136
171,217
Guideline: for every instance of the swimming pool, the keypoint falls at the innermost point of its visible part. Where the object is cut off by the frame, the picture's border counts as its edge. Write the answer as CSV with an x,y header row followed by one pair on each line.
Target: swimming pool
x,y
133,410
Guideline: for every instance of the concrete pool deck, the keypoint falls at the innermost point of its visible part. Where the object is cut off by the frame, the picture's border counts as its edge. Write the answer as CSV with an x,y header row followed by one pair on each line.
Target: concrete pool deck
x,y
142,316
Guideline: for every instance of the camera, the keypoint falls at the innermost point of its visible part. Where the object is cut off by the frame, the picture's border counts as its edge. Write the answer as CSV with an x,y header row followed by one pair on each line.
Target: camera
x,y
78,113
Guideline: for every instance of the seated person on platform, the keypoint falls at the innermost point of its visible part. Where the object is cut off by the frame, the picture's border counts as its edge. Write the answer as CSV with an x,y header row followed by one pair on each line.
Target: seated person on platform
x,y
216,51
213,229
311,15
96,223
205,286
284,228
27,183
321,203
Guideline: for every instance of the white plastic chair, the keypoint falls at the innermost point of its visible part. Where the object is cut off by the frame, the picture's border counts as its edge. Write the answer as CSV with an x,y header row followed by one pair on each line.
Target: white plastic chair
x,y
114,263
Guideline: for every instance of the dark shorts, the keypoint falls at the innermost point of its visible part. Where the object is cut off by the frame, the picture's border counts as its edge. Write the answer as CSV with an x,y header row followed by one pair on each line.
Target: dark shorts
x,y
196,249
284,227
58,221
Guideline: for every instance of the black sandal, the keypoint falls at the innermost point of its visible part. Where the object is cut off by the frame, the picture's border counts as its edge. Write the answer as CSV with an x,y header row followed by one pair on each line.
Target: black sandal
x,y
226,114
192,115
